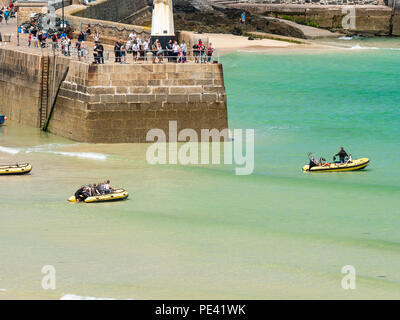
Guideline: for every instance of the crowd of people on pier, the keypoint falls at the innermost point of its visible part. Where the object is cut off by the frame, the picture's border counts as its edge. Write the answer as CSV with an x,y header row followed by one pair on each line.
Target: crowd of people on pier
x,y
7,12
171,52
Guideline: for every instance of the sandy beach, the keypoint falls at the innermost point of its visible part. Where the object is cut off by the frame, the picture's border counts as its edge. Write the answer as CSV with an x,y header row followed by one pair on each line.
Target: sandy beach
x,y
228,43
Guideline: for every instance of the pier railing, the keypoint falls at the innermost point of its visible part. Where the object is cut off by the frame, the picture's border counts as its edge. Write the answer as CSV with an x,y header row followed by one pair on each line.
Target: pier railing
x,y
86,54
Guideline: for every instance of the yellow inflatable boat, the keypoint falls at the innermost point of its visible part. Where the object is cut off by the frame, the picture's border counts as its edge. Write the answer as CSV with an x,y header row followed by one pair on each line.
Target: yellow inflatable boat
x,y
117,195
354,165
15,169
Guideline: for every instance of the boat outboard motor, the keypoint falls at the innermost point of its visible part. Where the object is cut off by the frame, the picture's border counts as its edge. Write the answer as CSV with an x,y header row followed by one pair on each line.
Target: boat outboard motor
x,y
350,159
313,162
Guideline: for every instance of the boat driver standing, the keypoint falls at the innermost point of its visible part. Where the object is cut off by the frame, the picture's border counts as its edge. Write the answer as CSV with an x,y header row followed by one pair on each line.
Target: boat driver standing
x,y
342,155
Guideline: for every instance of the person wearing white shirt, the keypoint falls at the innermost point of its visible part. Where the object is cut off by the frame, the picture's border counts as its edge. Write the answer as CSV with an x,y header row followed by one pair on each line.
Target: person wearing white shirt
x,y
175,51
132,36
129,46
146,45
135,50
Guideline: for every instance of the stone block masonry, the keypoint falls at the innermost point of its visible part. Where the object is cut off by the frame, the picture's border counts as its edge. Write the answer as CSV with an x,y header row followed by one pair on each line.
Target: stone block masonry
x,y
20,82
20,86
371,20
121,103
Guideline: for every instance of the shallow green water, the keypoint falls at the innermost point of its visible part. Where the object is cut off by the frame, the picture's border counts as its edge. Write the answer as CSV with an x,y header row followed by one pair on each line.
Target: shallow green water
x,y
191,232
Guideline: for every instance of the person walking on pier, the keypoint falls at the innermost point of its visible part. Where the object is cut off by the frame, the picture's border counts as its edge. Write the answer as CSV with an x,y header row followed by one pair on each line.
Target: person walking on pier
x,y
202,49
79,50
157,51
81,37
168,50
146,48
175,51
117,51
96,53
88,32
184,51
210,51
100,52
135,50
55,41
35,40
196,52
123,53
6,15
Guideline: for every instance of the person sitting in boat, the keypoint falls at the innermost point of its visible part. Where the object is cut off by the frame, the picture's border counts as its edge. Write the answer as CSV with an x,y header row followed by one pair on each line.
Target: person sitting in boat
x,y
82,194
95,191
342,155
107,187
100,187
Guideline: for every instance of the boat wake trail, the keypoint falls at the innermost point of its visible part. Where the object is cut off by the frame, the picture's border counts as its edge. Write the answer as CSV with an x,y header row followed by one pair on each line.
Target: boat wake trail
x,y
82,155
52,149
9,150
358,47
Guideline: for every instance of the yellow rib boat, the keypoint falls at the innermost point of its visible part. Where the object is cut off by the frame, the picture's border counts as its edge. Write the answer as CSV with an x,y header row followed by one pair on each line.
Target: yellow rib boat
x,y
117,195
15,169
354,165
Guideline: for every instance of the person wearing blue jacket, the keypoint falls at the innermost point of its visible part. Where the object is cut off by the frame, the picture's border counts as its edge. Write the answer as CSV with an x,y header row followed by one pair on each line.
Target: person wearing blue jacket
x,y
6,15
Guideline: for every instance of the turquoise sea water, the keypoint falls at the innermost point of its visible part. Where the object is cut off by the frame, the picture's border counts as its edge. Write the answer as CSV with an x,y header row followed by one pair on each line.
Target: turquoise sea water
x,y
203,232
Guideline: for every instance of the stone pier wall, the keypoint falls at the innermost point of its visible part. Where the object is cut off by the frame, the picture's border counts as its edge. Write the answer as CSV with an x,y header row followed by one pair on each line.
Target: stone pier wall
x,y
374,20
113,103
109,31
121,103
20,82
20,86
115,10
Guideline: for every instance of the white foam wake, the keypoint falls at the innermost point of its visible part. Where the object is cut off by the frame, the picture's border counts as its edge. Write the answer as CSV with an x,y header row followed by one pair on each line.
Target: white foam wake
x,y
2,290
9,150
81,155
44,147
346,38
49,148
76,297
358,47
